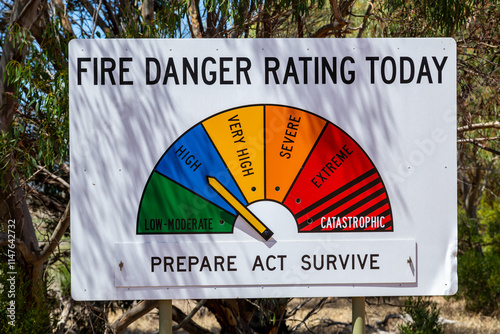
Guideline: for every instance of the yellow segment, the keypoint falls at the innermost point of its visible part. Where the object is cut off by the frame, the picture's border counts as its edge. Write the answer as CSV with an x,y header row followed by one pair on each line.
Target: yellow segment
x,y
238,135
240,208
290,136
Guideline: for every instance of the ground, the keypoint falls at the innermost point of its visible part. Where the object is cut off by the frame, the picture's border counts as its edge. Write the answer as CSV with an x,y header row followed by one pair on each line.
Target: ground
x,y
335,317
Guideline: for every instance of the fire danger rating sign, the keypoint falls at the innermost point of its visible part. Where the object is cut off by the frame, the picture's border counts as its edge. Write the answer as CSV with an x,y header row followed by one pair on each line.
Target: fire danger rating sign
x,y
263,168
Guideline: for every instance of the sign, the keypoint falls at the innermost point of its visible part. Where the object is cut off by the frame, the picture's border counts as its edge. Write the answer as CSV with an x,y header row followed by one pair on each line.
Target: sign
x,y
262,168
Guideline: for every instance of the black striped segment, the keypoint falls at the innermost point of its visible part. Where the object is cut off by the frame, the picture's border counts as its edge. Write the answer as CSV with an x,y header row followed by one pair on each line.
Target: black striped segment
x,y
339,189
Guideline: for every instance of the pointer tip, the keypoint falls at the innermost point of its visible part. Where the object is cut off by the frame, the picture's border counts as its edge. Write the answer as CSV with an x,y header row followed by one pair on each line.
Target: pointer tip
x,y
267,234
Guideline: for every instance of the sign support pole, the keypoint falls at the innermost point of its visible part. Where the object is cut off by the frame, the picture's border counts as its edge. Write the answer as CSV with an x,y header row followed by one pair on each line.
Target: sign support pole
x,y
358,315
165,311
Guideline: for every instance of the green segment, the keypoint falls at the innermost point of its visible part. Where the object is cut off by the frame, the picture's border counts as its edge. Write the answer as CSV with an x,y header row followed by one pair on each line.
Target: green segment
x,y
168,208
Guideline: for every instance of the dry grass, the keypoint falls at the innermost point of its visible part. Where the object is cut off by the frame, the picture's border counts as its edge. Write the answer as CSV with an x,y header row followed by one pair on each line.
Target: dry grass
x,y
335,317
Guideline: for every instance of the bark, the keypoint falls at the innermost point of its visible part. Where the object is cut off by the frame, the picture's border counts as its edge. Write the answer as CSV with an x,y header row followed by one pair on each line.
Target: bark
x,y
100,22
337,13
13,204
132,315
245,316
49,203
210,30
115,25
267,26
365,20
61,12
479,126
147,10
24,14
61,324
56,236
189,325
196,23
14,208
328,30
228,315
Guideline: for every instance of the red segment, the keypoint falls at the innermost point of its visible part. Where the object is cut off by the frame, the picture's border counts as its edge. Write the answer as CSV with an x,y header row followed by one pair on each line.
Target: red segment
x,y
337,198
387,221
335,160
357,213
346,207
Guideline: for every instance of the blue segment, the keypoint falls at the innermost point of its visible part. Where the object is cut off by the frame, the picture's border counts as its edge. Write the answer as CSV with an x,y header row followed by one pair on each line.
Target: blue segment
x,y
191,159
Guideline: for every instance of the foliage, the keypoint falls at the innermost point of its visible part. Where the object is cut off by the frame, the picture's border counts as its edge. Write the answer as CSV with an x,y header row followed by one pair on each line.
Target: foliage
x,y
479,277
28,319
39,132
38,135
34,147
424,315
479,260
479,161
474,26
490,214
438,15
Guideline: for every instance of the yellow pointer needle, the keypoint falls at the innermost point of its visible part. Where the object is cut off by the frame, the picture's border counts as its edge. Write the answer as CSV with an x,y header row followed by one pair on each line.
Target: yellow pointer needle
x,y
263,230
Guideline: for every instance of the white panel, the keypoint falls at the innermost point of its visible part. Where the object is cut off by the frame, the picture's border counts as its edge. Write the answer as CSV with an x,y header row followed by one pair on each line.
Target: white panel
x,y
315,262
406,125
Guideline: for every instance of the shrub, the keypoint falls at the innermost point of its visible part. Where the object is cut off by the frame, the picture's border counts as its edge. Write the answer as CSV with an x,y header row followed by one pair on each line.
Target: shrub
x,y
479,281
425,316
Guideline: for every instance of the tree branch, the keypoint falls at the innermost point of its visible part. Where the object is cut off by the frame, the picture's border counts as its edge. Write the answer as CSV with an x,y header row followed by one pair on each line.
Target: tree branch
x,y
313,311
476,140
190,326
47,201
478,126
486,148
58,233
132,315
61,12
61,324
327,30
23,14
336,13
189,316
100,22
194,14
365,19
20,246
112,18
61,181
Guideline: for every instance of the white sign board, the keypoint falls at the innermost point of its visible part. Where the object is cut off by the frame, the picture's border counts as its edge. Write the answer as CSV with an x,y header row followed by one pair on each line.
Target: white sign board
x,y
263,168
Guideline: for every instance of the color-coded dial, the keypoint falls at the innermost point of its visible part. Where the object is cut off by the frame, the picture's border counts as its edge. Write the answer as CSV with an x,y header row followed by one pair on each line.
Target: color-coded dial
x,y
209,176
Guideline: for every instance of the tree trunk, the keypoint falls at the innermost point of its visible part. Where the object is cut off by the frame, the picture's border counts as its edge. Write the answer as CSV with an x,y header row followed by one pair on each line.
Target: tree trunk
x,y
244,316
196,24
13,204
24,14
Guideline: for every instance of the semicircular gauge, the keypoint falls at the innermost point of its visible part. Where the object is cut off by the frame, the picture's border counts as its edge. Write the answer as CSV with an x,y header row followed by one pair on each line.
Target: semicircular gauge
x,y
209,176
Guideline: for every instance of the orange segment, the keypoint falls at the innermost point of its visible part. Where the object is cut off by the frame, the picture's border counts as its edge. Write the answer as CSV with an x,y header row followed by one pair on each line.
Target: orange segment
x,y
290,136
239,137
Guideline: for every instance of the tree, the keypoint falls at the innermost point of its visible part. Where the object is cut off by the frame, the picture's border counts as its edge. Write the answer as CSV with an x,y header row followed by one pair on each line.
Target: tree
x,y
34,121
474,25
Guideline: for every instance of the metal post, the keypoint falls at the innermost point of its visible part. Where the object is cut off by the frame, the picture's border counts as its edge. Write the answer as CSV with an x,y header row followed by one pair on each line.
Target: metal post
x,y
165,310
358,315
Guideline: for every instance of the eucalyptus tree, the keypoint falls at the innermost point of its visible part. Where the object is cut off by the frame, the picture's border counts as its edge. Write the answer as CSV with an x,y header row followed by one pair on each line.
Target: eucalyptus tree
x,y
34,145
474,25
